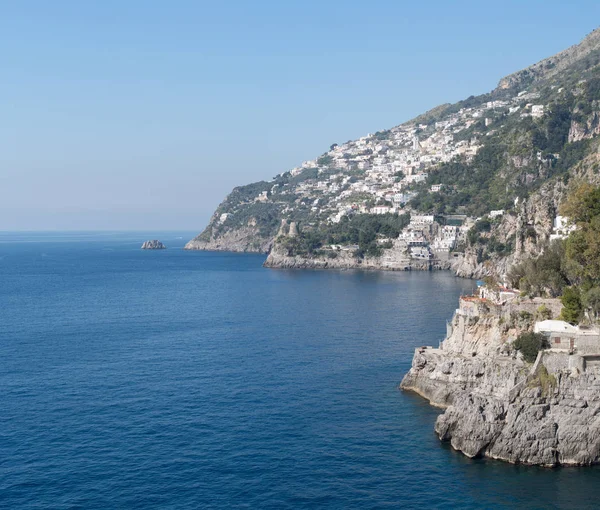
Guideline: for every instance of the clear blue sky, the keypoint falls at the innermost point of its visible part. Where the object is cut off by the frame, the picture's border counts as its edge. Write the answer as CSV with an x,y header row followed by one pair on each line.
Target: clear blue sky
x,y
130,114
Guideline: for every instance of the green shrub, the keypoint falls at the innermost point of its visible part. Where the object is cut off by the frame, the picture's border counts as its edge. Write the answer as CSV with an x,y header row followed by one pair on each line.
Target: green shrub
x,y
543,380
547,381
544,313
359,229
529,344
325,160
543,275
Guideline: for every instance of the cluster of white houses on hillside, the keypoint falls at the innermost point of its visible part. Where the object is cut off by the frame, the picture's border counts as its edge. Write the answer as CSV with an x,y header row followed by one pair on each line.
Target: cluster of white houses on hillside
x,y
381,169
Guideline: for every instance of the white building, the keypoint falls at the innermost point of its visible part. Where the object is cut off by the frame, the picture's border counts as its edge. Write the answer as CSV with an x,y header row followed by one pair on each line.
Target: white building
x,y
263,197
381,209
420,252
561,228
416,178
562,335
552,326
499,295
425,219
537,110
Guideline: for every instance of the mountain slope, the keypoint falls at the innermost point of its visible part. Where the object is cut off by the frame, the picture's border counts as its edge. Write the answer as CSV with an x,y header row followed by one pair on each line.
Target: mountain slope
x,y
511,152
584,53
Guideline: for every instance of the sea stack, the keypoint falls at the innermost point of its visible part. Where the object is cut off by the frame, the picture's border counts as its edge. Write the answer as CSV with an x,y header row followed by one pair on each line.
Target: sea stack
x,y
153,244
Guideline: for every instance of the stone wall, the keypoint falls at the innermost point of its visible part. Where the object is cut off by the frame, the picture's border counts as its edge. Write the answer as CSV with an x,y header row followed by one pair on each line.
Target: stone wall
x,y
554,361
588,344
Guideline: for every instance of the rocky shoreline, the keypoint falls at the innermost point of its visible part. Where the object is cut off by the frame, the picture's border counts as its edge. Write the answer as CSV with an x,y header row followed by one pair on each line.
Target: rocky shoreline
x,y
390,261
248,240
498,406
462,267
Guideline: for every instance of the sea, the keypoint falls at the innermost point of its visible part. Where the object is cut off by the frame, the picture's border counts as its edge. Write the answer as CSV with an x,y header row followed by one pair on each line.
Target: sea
x,y
175,379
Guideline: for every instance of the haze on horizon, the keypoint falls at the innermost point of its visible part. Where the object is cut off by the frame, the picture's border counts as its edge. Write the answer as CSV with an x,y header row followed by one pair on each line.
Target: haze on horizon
x,y
144,115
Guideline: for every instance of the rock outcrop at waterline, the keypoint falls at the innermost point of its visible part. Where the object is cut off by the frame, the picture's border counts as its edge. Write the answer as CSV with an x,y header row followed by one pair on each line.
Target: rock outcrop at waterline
x,y
242,240
394,259
497,405
153,244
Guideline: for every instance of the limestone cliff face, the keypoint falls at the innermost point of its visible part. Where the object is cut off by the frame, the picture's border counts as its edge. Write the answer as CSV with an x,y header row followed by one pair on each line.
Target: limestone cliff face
x,y
528,229
498,406
587,128
247,239
555,426
535,219
468,266
394,259
475,355
531,225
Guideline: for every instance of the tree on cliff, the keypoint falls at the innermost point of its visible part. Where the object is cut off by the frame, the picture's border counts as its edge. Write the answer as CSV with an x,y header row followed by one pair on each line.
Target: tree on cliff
x,y
591,301
529,344
583,246
572,308
544,275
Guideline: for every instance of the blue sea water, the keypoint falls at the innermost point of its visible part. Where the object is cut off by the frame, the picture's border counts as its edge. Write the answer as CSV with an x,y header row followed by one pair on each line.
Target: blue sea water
x,y
172,379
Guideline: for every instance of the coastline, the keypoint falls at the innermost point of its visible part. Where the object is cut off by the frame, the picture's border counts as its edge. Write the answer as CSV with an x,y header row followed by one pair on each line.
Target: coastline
x,y
394,259
495,404
278,260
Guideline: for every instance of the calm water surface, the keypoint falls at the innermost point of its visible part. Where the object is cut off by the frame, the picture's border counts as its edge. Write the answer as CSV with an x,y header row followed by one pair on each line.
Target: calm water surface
x,y
138,379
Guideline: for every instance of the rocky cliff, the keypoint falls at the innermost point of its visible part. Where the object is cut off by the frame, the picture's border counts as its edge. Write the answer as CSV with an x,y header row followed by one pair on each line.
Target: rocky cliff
x,y
247,239
394,259
554,65
290,251
495,404
244,222
527,227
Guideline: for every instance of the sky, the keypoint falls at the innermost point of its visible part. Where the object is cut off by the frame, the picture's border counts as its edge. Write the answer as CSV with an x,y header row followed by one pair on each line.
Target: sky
x,y
143,115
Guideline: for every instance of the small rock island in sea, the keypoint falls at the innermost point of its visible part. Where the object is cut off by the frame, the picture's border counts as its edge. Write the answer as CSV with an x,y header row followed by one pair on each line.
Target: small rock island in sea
x,y
153,244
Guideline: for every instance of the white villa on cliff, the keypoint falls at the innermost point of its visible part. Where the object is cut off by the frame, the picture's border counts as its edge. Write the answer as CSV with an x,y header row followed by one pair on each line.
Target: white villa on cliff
x,y
499,295
562,335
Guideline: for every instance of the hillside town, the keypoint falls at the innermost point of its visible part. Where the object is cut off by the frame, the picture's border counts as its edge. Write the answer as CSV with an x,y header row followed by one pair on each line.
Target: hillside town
x,y
385,166
380,173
